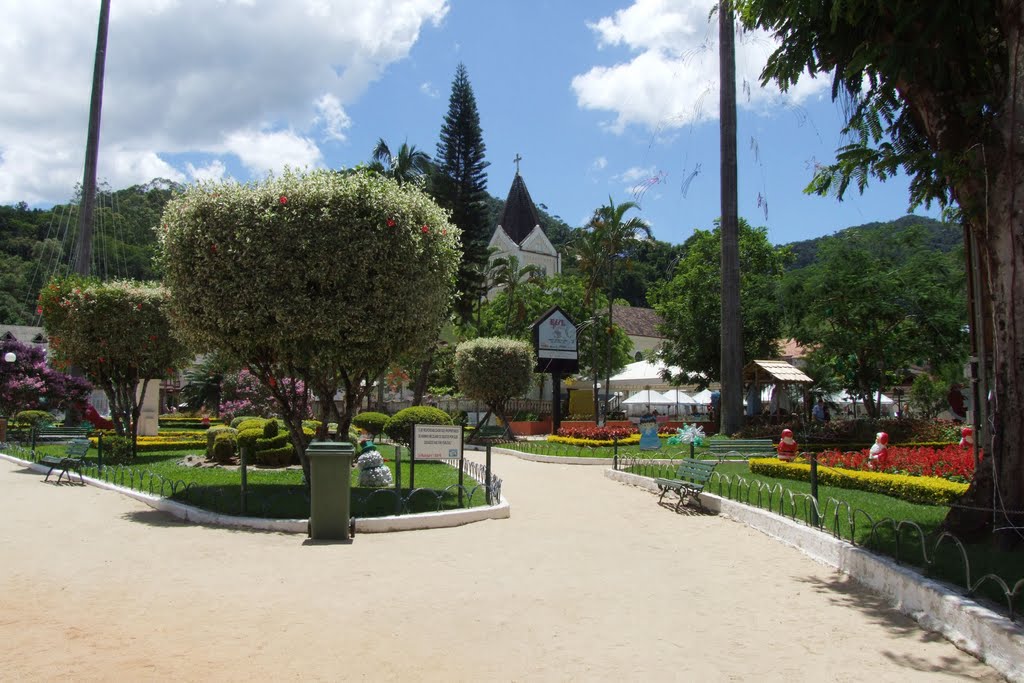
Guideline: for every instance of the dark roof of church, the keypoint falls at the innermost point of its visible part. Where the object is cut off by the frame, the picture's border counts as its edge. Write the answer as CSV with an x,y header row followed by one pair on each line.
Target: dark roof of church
x,y
520,215
638,322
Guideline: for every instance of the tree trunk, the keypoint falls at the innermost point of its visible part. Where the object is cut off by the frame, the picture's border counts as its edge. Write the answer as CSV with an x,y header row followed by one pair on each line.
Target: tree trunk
x,y
608,341
731,405
422,379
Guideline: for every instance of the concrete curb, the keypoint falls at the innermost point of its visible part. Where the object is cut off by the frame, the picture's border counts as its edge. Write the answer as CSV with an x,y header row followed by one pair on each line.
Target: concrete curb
x,y
972,627
372,525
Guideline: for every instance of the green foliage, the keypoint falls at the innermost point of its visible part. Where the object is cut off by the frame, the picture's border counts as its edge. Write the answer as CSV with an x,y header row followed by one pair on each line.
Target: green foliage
x,y
271,429
236,421
224,448
34,418
281,456
494,370
923,490
117,450
690,303
213,433
253,272
872,307
370,422
928,396
399,426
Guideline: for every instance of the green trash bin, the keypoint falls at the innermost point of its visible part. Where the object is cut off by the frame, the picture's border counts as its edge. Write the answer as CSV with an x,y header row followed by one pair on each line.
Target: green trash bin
x,y
330,491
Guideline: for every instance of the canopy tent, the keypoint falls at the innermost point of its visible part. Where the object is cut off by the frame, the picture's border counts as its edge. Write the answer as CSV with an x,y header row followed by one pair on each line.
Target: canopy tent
x,y
642,375
702,398
843,398
643,401
680,398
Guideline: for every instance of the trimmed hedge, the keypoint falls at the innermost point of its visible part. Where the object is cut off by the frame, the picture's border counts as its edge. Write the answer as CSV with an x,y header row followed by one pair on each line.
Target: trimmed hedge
x,y
371,422
923,490
593,443
399,426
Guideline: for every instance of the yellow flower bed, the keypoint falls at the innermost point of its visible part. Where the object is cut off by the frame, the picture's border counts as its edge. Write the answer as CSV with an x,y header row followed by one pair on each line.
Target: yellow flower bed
x,y
183,441
594,443
924,490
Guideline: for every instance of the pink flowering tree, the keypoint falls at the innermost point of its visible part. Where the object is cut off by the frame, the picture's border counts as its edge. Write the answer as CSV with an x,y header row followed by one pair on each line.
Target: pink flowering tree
x,y
30,384
242,394
118,334
324,277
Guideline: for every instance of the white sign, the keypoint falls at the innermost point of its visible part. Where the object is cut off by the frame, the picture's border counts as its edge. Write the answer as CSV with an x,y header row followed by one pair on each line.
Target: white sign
x,y
556,337
437,442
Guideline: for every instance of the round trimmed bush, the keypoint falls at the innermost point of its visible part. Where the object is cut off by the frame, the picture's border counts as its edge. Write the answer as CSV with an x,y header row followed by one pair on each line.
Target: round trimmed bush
x,y
399,426
211,437
370,422
34,418
224,448
271,429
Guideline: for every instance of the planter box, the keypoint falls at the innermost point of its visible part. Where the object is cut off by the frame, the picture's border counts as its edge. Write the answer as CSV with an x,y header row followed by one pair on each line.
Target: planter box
x,y
531,428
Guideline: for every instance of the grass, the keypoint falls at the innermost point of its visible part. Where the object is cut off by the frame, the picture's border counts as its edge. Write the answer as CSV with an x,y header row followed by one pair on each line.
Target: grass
x,y
280,493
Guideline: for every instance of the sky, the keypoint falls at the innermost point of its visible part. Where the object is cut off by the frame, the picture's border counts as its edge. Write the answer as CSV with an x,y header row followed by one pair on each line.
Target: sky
x,y
601,99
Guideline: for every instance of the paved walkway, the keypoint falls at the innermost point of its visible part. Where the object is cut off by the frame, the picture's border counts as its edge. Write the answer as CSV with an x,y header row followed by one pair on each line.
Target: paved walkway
x,y
588,581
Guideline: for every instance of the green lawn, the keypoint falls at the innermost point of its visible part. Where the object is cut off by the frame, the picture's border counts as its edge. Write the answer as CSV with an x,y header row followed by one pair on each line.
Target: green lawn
x,y
280,493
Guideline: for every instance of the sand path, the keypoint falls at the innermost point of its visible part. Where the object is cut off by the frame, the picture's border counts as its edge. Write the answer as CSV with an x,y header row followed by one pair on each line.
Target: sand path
x,y
589,580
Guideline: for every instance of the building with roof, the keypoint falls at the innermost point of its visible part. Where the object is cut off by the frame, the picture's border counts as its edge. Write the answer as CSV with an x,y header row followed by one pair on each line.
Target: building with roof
x,y
520,234
641,324
26,334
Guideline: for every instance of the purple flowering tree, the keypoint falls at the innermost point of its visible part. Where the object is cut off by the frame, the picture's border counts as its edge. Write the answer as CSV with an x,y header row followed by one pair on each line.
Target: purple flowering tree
x,y
30,384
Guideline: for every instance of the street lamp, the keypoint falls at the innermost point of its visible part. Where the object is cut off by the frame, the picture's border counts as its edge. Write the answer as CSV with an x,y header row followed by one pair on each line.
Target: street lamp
x,y
9,357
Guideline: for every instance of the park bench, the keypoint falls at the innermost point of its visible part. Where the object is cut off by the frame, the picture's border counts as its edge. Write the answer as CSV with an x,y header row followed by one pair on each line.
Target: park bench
x,y
51,433
488,432
72,461
742,448
690,479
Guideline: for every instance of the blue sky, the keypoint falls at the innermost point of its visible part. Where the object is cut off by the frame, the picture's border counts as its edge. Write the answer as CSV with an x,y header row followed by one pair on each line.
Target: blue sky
x,y
600,98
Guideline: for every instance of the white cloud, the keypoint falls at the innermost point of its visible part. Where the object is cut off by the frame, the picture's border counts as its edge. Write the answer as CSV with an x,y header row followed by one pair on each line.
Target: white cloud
x,y
187,78
214,171
428,89
672,79
635,173
261,150
599,164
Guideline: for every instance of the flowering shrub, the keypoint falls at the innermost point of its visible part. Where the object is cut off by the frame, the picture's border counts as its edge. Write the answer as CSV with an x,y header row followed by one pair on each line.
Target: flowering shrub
x,y
948,462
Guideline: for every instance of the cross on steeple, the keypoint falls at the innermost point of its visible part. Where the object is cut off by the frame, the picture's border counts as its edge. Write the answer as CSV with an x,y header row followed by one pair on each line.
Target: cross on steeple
x,y
517,160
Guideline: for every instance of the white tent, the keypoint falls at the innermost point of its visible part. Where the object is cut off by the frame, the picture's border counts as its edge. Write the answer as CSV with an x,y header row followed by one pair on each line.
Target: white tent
x,y
642,374
843,398
680,398
703,398
648,397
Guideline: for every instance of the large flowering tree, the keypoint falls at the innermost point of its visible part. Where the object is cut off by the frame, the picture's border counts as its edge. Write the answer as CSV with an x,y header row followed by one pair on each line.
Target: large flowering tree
x,y
29,383
323,277
118,334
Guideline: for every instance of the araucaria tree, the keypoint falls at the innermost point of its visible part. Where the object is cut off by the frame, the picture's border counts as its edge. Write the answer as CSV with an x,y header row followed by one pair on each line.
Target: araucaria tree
x,y
460,185
118,333
494,370
936,89
321,277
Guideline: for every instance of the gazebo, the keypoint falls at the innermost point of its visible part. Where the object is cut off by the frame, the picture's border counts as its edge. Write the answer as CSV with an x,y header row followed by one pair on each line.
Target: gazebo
x,y
778,372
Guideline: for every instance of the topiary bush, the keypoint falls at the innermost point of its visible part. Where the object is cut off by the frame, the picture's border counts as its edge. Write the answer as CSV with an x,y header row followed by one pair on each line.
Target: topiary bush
x,y
399,426
271,429
34,418
117,450
224,448
370,422
211,437
235,421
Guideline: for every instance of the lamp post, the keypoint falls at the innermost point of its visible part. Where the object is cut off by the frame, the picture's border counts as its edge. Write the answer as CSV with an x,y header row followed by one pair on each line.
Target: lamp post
x,y
899,400
9,357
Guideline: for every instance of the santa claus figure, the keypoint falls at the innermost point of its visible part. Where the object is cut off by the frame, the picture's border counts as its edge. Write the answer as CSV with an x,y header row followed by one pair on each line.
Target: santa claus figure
x,y
878,449
966,438
787,446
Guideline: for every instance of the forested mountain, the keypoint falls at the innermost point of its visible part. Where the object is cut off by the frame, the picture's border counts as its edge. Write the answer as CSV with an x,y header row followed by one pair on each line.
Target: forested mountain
x,y
35,244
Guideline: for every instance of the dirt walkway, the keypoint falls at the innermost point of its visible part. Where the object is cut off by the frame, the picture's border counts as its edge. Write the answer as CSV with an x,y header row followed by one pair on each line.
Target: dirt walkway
x,y
589,580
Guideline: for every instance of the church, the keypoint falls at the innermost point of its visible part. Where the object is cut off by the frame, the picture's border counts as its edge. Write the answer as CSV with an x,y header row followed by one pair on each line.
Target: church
x,y
519,233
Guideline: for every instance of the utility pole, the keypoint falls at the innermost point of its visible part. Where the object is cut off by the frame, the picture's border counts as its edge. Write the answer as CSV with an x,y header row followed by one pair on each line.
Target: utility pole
x,y
731,406
83,250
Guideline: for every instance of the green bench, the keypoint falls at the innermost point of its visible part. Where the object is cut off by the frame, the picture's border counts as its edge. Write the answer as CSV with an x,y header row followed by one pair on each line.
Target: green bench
x,y
742,448
51,433
690,479
488,432
72,461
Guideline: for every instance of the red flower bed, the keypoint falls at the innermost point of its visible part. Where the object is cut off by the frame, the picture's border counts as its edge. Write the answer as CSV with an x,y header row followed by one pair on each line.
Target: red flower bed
x,y
596,433
950,462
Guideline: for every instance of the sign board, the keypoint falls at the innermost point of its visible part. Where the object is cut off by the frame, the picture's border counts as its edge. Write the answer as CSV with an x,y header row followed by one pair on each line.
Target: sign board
x,y
555,342
437,442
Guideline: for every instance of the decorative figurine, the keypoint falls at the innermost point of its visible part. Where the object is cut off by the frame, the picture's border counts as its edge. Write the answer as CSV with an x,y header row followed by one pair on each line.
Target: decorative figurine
x,y
787,446
879,448
967,438
649,440
372,470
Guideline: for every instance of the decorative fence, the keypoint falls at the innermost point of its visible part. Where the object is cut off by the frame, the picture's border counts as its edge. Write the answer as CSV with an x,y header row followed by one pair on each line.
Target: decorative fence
x,y
937,554
283,501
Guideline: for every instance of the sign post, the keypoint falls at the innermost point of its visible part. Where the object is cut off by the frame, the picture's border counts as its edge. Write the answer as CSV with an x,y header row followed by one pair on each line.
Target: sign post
x,y
557,346
439,442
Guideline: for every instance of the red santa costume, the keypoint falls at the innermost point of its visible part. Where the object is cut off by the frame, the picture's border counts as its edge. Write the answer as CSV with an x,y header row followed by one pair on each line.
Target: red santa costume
x,y
787,446
879,448
966,438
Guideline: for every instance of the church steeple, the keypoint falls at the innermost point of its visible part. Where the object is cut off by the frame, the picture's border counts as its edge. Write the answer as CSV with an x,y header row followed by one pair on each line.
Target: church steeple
x,y
520,216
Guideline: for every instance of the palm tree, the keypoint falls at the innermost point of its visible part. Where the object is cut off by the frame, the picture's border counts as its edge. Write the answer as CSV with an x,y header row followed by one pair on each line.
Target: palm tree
x,y
615,233
409,166
507,273
588,250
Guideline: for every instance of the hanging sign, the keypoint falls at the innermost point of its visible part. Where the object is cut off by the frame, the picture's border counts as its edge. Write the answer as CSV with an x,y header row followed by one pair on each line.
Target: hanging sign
x,y
555,342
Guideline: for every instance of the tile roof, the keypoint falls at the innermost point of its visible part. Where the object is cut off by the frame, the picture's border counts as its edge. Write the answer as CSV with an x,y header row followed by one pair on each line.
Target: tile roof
x,y
778,370
520,216
638,322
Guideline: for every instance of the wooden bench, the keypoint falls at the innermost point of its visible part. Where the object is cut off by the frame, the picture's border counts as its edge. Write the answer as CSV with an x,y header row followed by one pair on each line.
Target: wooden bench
x,y
72,461
742,448
51,433
690,479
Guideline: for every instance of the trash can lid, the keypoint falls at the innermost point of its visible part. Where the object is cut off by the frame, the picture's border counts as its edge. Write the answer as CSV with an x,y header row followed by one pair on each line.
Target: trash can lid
x,y
330,448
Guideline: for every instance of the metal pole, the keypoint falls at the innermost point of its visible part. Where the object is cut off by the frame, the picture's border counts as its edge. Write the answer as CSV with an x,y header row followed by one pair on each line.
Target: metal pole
x,y
615,452
412,467
99,453
487,475
398,480
243,464
814,487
